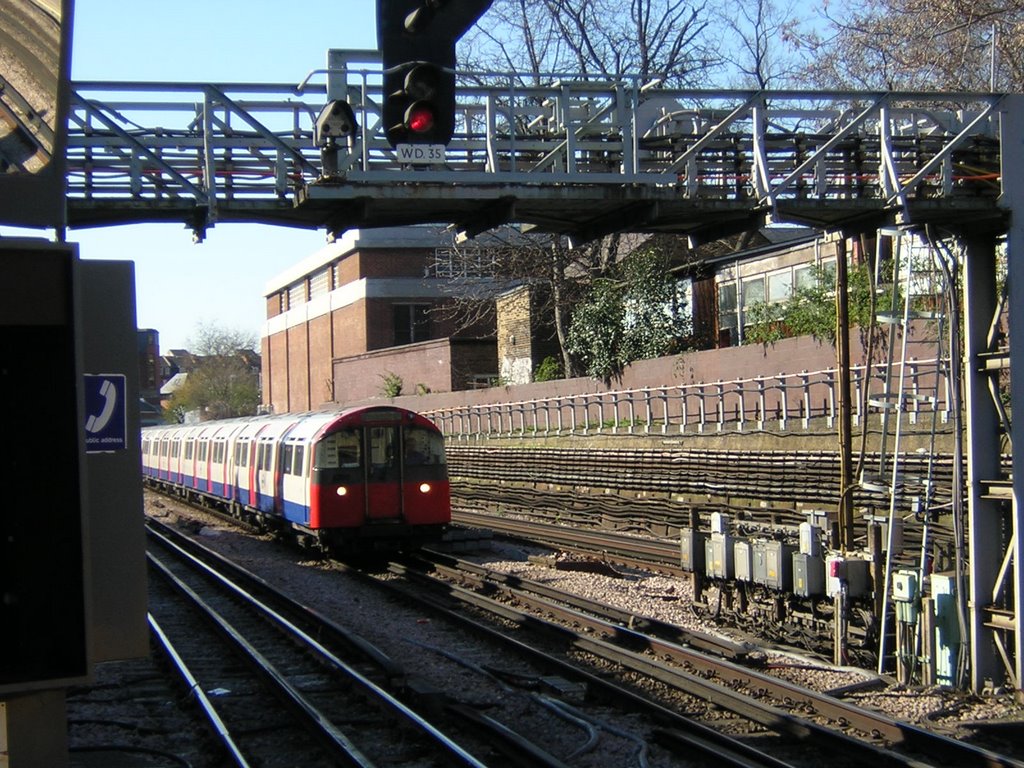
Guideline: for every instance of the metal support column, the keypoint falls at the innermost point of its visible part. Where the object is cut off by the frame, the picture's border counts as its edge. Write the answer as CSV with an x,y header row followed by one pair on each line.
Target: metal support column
x,y
983,450
1012,152
995,557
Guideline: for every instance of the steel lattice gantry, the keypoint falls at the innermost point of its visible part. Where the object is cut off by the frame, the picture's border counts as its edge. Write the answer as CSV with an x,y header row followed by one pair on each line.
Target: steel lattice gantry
x,y
582,158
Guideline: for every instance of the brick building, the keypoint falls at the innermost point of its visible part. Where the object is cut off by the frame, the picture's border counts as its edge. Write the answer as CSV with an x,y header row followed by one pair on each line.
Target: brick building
x,y
526,333
332,318
150,379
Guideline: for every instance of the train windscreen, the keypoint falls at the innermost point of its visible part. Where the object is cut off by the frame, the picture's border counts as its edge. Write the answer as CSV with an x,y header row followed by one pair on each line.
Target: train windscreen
x,y
339,457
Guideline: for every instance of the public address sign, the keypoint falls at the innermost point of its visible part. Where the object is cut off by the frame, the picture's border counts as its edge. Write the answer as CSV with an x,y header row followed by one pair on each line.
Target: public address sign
x,y
106,412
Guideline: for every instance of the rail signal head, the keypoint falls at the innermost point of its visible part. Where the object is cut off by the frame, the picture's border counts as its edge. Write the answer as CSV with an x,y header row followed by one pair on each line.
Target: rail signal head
x,y
336,121
417,40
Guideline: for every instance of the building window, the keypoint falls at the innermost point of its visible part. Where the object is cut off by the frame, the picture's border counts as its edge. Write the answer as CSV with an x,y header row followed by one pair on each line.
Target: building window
x,y
297,294
412,323
803,277
319,284
780,286
753,290
728,322
465,261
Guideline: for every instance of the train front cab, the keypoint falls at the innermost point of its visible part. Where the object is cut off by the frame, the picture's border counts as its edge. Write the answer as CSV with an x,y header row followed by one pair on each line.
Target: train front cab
x,y
380,473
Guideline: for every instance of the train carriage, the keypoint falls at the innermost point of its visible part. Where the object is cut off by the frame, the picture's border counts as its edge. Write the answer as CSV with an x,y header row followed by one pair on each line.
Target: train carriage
x,y
368,476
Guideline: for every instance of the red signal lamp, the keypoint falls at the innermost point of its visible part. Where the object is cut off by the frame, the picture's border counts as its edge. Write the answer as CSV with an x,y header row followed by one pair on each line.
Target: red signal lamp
x,y
420,118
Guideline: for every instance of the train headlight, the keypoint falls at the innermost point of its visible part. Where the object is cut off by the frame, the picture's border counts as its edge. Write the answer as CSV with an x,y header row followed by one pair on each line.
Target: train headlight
x,y
424,487
342,491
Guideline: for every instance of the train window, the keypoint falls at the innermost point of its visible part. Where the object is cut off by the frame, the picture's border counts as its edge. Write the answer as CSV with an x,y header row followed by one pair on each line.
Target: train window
x,y
243,454
175,449
338,450
145,447
286,459
203,449
382,446
260,450
189,445
423,446
300,454
268,455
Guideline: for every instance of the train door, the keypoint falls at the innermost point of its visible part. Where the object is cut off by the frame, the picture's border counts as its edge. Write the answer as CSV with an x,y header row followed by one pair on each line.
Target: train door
x,y
263,475
383,482
240,470
293,489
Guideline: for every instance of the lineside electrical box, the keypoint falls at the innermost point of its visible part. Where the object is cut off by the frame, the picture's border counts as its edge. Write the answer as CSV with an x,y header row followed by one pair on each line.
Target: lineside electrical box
x,y
773,565
691,551
808,575
718,553
743,560
947,628
854,571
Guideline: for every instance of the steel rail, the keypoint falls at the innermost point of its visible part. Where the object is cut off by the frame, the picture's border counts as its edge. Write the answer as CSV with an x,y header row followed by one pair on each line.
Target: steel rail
x,y
727,750
754,710
330,734
195,690
680,732
462,570
628,550
300,613
720,681
339,745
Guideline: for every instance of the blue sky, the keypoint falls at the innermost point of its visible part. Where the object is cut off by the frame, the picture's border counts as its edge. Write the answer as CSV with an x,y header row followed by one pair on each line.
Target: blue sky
x,y
180,284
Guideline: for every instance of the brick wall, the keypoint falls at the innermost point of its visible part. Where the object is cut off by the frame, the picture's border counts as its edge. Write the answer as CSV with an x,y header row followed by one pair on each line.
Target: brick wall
x,y
433,366
515,349
786,356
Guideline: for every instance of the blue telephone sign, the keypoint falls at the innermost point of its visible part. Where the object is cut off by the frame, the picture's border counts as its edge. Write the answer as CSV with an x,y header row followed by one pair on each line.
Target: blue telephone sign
x,y
106,416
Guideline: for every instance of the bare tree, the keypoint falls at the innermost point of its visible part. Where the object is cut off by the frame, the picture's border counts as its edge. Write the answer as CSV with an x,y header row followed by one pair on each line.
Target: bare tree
x,y
922,45
651,39
217,340
225,382
480,271
766,41
661,41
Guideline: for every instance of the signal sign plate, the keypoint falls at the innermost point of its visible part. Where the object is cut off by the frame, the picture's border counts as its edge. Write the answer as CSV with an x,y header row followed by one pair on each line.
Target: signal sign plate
x,y
420,154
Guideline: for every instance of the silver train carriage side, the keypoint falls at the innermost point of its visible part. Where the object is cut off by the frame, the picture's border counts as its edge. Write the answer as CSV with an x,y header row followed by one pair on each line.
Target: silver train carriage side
x,y
363,478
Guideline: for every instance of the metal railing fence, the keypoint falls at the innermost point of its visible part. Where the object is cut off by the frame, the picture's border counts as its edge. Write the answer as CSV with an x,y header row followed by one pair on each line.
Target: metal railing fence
x,y
784,402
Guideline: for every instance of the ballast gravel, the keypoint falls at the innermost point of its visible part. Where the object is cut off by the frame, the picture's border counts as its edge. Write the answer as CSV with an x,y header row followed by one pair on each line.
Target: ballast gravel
x,y
414,641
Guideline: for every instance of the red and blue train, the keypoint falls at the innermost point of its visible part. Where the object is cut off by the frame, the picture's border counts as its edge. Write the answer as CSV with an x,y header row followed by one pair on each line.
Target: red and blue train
x,y
364,478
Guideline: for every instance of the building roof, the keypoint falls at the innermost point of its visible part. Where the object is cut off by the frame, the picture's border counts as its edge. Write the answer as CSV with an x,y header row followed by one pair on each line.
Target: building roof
x,y
173,384
352,241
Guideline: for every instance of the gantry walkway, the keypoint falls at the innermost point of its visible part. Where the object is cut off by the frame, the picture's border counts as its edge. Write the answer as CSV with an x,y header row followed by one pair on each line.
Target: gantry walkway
x,y
584,157
576,156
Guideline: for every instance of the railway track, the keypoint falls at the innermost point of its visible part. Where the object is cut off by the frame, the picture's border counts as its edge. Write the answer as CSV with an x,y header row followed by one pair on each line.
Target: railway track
x,y
266,685
785,478
540,680
657,555
803,728
821,725
722,672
